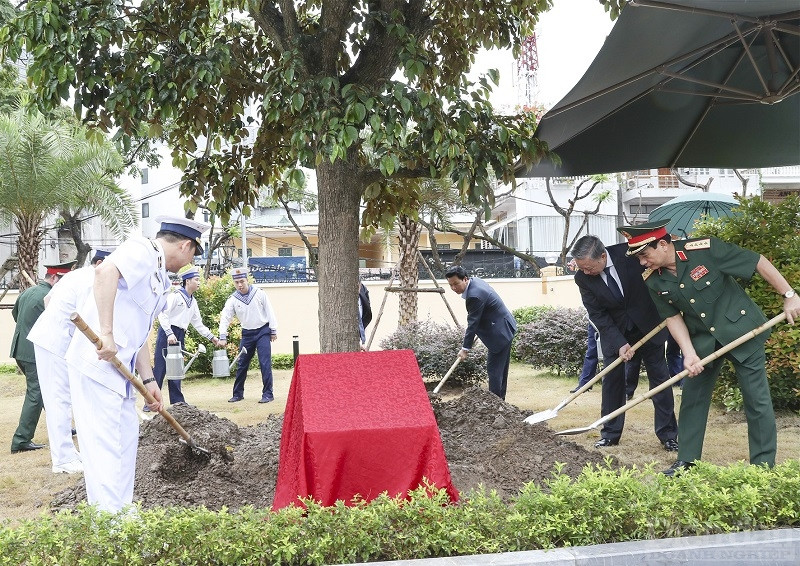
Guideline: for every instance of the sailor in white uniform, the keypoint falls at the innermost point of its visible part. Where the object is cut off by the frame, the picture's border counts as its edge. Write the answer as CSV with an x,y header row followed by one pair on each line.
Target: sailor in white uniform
x,y
259,328
51,336
129,291
174,320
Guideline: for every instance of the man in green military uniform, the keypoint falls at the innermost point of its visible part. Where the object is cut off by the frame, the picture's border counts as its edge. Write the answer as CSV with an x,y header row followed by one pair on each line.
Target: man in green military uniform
x,y
27,308
692,284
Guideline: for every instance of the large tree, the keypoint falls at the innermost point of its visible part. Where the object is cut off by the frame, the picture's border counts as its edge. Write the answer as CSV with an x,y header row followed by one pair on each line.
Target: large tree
x,y
319,79
47,166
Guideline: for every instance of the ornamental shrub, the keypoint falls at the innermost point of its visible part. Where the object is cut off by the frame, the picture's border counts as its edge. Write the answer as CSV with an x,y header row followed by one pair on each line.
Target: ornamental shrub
x,y
773,231
526,315
555,342
435,346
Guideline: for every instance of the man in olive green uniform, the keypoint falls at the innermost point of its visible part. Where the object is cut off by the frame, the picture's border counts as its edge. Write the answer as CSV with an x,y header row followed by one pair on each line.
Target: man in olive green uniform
x,y
27,308
692,284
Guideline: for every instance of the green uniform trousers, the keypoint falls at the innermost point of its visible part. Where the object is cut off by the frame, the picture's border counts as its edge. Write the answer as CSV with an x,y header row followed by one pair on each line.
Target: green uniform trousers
x,y
696,399
31,407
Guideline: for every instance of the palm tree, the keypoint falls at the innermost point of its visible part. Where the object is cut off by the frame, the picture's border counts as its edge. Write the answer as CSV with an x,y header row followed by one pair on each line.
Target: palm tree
x,y
47,166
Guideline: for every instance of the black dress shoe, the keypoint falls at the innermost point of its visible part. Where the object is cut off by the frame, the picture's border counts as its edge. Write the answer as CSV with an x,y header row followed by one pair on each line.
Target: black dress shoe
x,y
27,447
574,390
671,445
603,442
678,465
266,400
235,399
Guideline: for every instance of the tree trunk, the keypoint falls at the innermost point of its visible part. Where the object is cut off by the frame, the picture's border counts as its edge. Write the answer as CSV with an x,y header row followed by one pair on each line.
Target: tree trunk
x,y
30,240
340,189
408,233
73,225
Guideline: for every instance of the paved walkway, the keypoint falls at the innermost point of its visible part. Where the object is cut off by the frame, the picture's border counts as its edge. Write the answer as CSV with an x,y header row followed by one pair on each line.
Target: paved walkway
x,y
780,547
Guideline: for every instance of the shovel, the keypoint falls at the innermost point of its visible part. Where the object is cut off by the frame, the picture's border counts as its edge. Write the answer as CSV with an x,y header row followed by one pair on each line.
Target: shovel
x,y
710,358
137,383
447,375
542,416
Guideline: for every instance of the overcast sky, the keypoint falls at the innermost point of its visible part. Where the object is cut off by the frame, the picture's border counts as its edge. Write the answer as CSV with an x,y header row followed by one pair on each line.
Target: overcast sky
x,y
567,38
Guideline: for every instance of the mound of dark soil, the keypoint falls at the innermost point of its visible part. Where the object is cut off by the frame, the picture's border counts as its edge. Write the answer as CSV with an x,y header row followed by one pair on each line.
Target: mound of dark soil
x,y
485,439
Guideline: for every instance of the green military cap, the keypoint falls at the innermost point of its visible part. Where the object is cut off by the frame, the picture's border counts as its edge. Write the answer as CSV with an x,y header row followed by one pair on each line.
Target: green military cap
x,y
642,234
60,268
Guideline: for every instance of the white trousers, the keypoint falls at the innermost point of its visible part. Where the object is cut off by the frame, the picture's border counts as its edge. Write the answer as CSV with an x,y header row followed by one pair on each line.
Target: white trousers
x,y
108,433
54,383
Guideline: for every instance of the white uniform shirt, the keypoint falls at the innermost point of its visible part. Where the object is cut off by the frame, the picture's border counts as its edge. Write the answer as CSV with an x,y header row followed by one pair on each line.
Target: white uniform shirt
x,y
181,311
53,330
253,311
140,297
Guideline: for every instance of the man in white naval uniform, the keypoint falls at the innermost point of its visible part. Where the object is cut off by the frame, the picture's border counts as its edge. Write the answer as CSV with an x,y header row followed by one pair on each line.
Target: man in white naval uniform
x,y
259,328
51,336
129,291
174,320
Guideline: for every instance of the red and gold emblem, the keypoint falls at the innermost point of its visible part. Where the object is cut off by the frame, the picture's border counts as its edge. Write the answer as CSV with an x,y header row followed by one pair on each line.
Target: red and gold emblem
x,y
698,272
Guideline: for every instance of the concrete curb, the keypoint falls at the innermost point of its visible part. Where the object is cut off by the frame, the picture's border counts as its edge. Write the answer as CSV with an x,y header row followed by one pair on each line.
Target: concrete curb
x,y
762,548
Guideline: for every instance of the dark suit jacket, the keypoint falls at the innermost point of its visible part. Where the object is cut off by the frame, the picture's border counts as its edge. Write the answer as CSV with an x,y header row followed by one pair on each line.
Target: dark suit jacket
x,y
487,317
366,308
616,320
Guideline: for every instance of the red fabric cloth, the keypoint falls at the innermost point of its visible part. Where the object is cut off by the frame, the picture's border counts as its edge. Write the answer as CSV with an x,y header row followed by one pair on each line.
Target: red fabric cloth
x,y
358,423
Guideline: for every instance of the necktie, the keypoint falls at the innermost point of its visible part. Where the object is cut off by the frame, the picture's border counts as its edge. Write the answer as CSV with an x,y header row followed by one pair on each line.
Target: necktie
x,y
612,285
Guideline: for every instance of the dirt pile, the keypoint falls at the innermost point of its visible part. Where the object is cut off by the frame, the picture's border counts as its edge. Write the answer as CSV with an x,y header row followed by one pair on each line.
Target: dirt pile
x,y
484,438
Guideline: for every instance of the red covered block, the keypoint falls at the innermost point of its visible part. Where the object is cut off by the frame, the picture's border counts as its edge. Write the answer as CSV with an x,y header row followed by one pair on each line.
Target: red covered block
x,y
358,423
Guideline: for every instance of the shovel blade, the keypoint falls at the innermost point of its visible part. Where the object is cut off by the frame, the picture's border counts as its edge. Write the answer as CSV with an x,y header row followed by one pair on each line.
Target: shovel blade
x,y
196,450
572,431
541,416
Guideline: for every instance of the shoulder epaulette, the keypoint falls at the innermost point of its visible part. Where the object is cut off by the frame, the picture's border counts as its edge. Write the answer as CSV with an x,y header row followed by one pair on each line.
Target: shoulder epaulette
x,y
698,244
646,273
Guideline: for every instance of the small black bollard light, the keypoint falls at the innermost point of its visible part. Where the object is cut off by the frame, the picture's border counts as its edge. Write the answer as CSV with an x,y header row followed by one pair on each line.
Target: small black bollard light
x,y
295,347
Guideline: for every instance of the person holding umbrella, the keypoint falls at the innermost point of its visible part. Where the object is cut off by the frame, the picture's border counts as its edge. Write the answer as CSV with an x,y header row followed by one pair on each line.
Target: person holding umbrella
x,y
693,285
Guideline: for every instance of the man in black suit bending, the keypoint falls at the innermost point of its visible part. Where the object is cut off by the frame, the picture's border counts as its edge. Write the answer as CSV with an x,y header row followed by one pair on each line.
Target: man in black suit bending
x,y
618,302
488,319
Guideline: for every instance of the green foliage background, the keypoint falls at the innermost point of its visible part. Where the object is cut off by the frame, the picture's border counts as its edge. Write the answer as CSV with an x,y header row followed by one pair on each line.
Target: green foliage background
x,y
773,231
602,505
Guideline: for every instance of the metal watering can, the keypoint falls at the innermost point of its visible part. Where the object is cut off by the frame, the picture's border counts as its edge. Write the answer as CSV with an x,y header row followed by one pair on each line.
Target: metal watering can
x,y
173,355
219,364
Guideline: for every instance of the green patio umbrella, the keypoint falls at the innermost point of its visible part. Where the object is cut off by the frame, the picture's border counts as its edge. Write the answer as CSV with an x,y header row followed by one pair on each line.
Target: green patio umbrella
x,y
684,83
685,209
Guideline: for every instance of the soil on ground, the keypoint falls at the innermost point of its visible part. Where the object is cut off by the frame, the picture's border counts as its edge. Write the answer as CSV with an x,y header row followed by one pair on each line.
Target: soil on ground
x,y
485,440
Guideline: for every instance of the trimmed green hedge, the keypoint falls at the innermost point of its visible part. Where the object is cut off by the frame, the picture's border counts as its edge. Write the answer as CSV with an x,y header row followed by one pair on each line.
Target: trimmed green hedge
x,y
600,506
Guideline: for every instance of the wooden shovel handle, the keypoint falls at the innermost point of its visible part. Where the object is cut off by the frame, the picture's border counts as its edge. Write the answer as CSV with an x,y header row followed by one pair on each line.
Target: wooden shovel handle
x,y
447,375
709,358
137,383
611,366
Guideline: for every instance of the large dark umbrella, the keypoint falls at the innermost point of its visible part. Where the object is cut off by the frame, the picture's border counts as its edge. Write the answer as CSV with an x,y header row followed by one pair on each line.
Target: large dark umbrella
x,y
684,83
685,209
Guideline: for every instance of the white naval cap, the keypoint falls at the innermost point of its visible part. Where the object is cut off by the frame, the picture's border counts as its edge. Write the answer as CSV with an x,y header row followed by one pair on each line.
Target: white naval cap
x,y
192,229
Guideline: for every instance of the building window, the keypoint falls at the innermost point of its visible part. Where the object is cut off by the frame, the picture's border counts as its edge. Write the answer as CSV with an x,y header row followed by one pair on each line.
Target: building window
x,y
249,252
284,252
476,246
145,176
442,246
145,210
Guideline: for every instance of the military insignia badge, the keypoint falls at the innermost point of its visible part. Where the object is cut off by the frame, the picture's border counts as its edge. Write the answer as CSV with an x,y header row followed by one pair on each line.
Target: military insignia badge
x,y
698,244
698,272
682,255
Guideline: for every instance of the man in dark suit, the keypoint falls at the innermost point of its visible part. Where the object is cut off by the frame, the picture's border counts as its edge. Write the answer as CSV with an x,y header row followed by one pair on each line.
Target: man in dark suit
x,y
618,302
364,312
489,319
